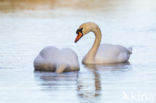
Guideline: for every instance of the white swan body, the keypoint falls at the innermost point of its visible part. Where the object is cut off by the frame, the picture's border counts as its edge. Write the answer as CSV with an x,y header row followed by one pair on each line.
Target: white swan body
x,y
108,53
105,53
55,60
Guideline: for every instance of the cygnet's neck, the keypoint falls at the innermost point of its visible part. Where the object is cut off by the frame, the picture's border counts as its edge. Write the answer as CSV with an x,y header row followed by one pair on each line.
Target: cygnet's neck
x,y
90,57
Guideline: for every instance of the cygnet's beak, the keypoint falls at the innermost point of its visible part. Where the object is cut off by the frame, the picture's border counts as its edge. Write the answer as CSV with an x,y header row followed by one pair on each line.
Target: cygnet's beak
x,y
79,35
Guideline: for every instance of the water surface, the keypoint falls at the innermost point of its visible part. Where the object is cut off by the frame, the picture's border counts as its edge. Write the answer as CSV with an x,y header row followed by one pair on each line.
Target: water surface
x,y
25,30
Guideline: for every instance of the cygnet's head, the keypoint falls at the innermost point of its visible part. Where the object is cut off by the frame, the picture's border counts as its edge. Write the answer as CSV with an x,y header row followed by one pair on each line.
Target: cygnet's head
x,y
84,29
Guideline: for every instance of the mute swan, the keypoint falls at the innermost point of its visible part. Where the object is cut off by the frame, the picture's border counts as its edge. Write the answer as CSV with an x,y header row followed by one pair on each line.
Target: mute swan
x,y
55,60
105,53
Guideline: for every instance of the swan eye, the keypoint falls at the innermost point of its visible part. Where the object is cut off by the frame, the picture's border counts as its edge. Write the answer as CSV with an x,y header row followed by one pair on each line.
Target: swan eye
x,y
79,34
79,30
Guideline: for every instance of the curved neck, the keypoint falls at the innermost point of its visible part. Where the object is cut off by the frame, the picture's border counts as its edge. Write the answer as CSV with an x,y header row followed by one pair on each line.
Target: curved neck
x,y
92,52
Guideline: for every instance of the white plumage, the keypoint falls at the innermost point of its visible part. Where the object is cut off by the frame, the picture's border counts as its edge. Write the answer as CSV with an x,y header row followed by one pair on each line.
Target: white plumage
x,y
56,60
108,53
104,53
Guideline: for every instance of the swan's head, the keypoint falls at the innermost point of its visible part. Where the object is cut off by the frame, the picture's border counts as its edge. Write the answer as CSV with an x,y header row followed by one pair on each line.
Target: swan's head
x,y
84,29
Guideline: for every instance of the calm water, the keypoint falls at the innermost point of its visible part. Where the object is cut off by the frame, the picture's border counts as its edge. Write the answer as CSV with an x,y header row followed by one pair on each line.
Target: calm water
x,y
25,31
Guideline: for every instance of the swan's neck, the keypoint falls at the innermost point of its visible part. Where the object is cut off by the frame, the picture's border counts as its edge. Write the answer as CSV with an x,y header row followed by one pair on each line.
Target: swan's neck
x,y
92,52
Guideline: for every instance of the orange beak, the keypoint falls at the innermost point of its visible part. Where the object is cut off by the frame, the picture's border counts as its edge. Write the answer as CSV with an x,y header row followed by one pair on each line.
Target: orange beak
x,y
79,35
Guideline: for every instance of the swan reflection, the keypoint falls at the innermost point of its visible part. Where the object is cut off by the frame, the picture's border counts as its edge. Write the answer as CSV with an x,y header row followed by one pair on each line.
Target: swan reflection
x,y
53,81
89,84
84,85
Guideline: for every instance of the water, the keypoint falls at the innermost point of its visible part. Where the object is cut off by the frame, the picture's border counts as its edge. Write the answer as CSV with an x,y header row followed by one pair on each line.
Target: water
x,y
25,31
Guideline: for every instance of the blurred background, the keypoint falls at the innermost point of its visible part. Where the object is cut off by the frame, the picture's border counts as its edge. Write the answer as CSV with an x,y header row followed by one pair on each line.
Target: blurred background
x,y
52,4
27,26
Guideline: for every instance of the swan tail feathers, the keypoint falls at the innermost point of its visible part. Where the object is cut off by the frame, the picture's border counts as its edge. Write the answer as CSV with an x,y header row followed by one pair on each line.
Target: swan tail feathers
x,y
130,50
60,68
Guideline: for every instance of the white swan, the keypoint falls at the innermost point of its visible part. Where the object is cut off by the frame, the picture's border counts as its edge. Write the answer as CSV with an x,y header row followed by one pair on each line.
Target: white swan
x,y
55,60
105,53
